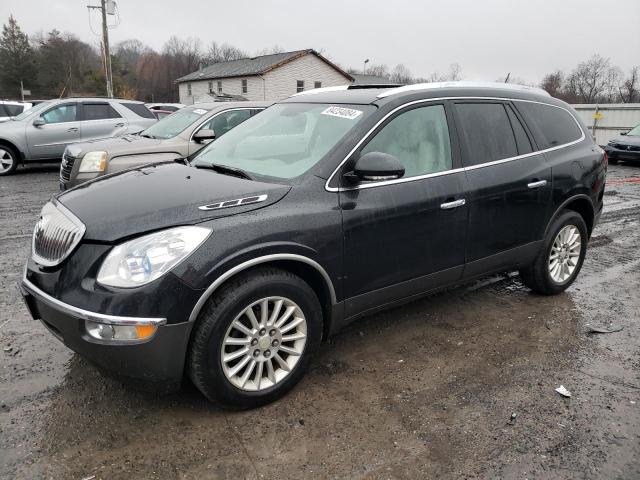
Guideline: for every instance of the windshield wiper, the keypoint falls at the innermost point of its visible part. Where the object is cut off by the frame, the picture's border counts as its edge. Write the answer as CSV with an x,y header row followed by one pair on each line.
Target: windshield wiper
x,y
146,135
224,169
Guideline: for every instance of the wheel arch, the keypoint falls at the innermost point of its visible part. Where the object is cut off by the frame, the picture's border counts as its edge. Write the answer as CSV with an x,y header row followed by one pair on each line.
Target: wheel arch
x,y
13,146
304,267
580,204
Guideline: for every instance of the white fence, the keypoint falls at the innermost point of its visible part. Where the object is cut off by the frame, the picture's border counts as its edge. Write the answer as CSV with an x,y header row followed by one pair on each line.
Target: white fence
x,y
613,118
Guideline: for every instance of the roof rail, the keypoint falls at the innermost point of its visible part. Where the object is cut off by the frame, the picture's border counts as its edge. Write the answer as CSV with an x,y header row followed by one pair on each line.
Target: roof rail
x,y
321,90
464,84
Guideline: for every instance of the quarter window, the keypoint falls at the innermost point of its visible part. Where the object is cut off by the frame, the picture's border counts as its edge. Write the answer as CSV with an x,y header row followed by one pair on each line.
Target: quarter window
x,y
244,85
419,138
99,111
552,126
61,114
486,131
299,86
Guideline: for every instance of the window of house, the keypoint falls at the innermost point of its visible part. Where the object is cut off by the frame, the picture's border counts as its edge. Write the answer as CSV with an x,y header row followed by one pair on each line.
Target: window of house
x,y
317,85
487,132
219,86
98,111
419,138
551,126
299,86
189,89
244,85
210,87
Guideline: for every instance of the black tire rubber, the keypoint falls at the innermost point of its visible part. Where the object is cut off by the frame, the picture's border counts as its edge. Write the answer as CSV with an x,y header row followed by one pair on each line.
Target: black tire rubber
x,y
536,276
16,160
204,366
613,161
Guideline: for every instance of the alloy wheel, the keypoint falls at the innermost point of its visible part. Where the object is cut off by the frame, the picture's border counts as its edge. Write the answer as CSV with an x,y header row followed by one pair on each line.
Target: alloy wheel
x,y
264,343
565,254
6,160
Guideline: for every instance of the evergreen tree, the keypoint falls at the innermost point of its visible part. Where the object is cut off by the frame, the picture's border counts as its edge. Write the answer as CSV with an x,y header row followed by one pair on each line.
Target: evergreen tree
x,y
16,59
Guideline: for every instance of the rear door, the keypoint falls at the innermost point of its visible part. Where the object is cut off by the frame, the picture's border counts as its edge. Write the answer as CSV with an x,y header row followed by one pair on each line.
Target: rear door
x,y
403,237
510,184
101,120
62,127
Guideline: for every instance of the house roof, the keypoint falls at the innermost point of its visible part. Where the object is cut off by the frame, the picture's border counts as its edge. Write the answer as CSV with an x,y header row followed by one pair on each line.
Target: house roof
x,y
364,79
253,66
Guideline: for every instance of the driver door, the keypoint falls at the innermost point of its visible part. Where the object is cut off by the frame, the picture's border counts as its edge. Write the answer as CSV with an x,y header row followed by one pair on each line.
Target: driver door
x,y
61,127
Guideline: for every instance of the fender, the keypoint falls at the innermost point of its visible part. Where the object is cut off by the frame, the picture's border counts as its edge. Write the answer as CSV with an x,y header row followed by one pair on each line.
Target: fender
x,y
257,261
580,196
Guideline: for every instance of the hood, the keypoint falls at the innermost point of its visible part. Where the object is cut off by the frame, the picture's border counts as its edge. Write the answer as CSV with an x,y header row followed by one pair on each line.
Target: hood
x,y
158,196
117,146
627,140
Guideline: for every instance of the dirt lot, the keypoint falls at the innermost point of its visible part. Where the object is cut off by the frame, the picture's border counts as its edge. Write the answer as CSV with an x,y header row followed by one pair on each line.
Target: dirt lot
x,y
458,385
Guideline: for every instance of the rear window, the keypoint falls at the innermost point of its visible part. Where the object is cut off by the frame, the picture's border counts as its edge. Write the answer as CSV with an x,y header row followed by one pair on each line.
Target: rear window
x,y
552,126
13,110
487,132
139,109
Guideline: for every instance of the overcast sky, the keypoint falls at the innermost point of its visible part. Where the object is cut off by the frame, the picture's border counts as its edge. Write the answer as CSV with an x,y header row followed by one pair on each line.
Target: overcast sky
x,y
488,38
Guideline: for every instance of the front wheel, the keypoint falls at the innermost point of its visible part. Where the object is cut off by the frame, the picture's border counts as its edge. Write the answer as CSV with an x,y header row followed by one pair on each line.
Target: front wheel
x,y
561,256
8,160
254,339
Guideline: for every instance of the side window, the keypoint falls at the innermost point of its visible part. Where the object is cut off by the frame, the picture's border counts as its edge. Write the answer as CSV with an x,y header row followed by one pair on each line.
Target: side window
x,y
419,138
225,121
522,140
552,126
13,110
486,131
61,114
99,111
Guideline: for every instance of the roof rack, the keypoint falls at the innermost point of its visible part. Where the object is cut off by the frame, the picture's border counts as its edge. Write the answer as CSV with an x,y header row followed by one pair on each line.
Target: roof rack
x,y
348,87
464,84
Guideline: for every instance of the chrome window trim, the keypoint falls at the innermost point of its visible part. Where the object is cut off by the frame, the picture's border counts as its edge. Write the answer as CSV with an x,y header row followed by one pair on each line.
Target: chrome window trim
x,y
462,84
195,130
86,314
454,170
73,219
238,202
257,261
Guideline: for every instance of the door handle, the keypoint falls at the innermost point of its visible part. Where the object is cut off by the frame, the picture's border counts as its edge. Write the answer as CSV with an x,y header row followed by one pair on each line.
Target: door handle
x,y
537,184
72,129
454,204
119,125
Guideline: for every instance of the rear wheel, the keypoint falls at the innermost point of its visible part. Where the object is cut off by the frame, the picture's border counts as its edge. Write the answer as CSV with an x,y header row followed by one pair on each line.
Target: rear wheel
x,y
561,256
8,160
255,338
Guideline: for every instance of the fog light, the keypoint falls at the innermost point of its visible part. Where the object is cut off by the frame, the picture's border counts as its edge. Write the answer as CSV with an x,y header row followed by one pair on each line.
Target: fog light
x,y
103,331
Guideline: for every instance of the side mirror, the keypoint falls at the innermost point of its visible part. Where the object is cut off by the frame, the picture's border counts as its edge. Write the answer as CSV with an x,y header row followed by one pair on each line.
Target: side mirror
x,y
203,135
623,133
378,166
39,122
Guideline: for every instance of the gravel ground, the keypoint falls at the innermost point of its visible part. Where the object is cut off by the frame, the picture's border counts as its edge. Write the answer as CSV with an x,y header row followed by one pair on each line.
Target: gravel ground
x,y
457,385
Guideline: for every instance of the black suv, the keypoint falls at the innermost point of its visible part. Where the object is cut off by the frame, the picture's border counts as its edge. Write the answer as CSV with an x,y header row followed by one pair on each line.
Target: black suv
x,y
332,204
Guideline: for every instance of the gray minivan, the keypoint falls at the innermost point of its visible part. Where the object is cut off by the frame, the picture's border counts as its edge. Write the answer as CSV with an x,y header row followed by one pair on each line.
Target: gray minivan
x,y
43,132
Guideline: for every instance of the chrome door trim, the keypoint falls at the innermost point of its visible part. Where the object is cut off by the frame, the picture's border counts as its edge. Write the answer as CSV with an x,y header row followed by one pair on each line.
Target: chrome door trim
x,y
455,170
538,184
257,261
454,204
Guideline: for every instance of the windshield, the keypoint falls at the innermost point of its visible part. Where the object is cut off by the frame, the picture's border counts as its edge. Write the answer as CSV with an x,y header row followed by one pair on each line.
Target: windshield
x,y
285,140
635,131
31,111
174,124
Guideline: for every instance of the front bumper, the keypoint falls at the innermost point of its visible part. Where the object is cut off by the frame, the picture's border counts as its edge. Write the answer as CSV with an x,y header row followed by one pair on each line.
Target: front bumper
x,y
160,359
620,154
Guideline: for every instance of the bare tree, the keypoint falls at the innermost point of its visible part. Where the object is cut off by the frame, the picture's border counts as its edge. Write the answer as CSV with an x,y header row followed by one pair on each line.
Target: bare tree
x,y
593,80
401,74
378,70
553,83
630,88
270,51
222,53
453,75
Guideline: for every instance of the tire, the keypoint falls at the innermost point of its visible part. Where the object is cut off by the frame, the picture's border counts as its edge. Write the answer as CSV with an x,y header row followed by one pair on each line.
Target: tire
x,y
215,378
539,276
9,160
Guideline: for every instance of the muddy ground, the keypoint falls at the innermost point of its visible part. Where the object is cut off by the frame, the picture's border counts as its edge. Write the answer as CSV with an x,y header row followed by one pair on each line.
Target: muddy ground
x,y
458,385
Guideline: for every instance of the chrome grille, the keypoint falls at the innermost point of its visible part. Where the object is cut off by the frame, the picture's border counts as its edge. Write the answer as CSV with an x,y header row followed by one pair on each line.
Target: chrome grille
x,y
56,234
66,167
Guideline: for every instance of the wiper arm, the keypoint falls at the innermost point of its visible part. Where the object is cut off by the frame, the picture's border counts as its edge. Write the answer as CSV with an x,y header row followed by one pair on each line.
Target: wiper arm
x,y
146,135
224,169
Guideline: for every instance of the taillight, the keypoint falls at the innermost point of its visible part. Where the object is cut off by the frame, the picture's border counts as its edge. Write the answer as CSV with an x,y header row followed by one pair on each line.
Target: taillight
x,y
606,160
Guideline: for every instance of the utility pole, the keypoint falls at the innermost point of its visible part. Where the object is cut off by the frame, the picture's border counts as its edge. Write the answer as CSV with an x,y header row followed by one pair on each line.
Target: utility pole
x,y
105,44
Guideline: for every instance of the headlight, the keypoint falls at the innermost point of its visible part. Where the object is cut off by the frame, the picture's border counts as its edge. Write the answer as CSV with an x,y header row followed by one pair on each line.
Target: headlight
x,y
140,261
93,162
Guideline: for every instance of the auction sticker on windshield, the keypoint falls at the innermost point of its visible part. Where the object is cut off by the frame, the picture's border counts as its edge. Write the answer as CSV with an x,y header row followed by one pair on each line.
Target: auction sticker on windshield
x,y
199,111
342,112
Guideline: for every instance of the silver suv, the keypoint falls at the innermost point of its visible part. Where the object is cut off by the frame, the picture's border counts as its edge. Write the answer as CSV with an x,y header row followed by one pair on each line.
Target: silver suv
x,y
42,132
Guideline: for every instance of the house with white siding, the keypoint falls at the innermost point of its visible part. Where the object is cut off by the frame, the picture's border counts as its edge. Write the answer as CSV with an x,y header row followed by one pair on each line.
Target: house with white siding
x,y
268,77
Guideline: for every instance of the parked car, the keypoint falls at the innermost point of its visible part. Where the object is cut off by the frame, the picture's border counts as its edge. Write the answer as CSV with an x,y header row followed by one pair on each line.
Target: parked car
x,y
168,107
325,207
180,135
625,147
10,109
42,132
